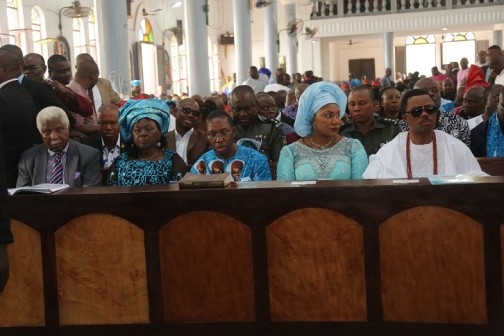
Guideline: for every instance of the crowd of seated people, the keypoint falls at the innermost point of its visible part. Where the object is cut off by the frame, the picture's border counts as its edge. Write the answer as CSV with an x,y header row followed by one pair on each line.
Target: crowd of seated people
x,y
78,131
269,127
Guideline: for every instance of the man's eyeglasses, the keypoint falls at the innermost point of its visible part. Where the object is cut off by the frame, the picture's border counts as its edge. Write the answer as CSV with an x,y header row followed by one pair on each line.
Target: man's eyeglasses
x,y
222,134
417,111
187,111
31,67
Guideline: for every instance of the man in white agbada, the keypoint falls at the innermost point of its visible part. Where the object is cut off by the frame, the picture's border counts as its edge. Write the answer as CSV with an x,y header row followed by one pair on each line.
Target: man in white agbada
x,y
422,151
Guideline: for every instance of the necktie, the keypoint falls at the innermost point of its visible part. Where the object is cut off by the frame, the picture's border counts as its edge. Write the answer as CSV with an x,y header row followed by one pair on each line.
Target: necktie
x,y
91,97
57,170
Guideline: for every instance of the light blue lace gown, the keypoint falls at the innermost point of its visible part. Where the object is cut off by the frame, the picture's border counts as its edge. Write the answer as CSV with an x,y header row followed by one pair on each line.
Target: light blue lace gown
x,y
345,160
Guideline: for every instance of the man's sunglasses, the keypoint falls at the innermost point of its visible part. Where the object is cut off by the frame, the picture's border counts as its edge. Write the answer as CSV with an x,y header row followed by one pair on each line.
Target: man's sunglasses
x,y
417,111
187,111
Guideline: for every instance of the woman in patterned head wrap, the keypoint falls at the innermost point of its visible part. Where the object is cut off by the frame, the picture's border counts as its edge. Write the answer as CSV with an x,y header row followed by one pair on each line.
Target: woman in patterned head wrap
x,y
144,124
321,153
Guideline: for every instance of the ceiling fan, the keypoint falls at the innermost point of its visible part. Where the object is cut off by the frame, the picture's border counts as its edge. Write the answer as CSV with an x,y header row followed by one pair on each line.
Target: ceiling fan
x,y
146,13
294,27
350,42
310,32
76,10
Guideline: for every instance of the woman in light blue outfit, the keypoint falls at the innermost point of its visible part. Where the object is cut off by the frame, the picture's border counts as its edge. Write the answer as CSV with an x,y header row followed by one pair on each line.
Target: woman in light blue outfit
x,y
321,153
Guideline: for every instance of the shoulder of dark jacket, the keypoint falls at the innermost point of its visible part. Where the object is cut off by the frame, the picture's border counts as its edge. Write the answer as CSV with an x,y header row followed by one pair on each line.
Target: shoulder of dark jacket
x,y
388,121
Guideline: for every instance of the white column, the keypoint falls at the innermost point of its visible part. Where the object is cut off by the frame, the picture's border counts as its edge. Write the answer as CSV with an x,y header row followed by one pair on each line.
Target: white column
x,y
497,38
388,52
113,44
333,62
291,66
305,47
270,38
196,37
243,39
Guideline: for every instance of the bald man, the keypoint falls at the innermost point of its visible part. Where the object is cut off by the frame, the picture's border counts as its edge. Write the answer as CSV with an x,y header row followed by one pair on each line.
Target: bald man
x,y
17,116
103,93
186,139
496,64
85,79
473,106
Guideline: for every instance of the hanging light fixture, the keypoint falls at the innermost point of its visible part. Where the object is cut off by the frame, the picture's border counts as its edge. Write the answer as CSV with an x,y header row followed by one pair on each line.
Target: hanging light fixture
x,y
74,11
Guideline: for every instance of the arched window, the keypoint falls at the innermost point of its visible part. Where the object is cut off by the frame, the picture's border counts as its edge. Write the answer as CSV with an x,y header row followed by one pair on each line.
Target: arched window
x,y
145,34
457,46
79,38
147,58
38,32
16,24
213,66
92,36
420,54
178,66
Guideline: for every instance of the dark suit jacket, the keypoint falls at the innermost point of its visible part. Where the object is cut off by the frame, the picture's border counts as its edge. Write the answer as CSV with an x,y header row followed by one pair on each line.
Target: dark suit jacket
x,y
17,120
82,168
479,139
95,141
5,233
43,95
195,148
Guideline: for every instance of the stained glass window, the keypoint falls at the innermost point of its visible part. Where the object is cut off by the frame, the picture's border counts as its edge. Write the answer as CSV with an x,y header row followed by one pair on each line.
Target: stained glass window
x,y
418,40
145,34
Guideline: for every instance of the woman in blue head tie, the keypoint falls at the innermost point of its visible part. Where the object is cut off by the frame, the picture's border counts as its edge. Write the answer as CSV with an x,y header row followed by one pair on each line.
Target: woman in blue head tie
x,y
144,124
321,153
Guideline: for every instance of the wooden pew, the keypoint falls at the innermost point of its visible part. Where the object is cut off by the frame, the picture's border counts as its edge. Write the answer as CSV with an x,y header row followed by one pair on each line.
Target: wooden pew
x,y
492,166
270,258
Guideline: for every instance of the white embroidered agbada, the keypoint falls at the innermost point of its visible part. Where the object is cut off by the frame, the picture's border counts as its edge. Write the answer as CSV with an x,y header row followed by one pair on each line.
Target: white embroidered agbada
x,y
453,157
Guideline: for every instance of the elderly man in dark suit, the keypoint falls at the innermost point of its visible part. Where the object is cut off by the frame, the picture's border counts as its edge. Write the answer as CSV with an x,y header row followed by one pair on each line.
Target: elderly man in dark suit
x,y
186,140
58,159
17,115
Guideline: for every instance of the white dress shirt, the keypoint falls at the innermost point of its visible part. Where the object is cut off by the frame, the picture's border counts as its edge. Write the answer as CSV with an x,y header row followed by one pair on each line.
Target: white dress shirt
x,y
181,142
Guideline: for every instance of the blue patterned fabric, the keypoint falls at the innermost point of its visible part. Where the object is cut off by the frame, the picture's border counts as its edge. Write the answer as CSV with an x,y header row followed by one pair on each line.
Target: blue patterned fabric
x,y
495,138
345,160
291,111
246,165
312,100
134,110
136,172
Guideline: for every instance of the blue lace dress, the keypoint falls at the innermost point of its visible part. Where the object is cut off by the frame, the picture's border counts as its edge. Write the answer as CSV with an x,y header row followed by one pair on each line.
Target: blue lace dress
x,y
127,172
345,160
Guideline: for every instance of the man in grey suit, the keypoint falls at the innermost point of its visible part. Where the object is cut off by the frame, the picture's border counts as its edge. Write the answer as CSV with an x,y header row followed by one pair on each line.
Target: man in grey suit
x,y
58,159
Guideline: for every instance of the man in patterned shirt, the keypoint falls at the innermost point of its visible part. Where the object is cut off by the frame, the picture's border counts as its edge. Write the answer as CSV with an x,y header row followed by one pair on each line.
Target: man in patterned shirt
x,y
447,122
244,164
